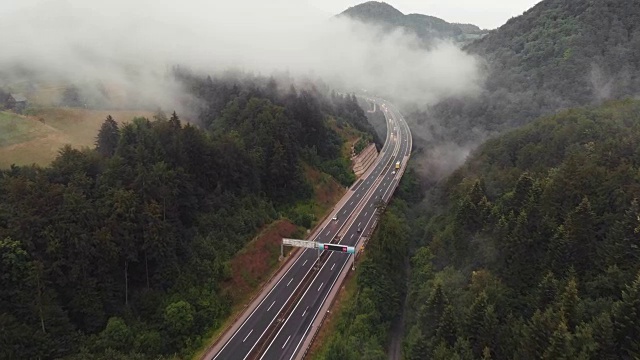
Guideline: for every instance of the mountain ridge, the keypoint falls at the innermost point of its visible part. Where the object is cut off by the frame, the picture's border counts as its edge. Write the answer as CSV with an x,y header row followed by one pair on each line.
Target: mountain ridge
x,y
556,55
428,28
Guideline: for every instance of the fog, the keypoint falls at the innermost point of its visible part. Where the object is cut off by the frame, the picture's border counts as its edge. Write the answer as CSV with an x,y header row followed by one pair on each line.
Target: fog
x,y
130,46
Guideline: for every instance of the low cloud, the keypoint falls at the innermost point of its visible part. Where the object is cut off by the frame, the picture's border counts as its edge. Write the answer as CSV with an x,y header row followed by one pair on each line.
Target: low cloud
x,y
132,45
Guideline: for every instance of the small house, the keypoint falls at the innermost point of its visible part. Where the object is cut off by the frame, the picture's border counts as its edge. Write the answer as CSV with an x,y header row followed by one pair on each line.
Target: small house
x,y
16,102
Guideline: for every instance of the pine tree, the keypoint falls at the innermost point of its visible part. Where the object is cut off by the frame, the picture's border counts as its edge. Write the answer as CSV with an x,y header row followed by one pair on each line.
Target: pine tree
x,y
538,332
603,335
463,349
415,345
547,290
580,233
625,320
583,342
447,330
522,192
108,137
559,345
476,323
486,353
175,121
433,310
568,304
619,246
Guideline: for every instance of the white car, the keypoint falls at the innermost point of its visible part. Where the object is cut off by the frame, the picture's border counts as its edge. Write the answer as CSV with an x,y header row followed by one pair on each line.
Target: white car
x,y
335,218
393,172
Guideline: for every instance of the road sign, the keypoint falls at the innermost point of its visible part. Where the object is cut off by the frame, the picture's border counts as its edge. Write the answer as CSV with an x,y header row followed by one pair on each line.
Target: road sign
x,y
299,243
337,247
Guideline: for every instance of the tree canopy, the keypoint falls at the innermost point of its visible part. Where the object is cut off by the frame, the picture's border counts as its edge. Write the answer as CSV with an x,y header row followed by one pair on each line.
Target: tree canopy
x,y
120,251
534,244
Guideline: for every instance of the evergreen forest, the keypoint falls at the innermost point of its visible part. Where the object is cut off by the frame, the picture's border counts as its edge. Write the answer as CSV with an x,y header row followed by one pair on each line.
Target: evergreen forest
x,y
118,251
530,250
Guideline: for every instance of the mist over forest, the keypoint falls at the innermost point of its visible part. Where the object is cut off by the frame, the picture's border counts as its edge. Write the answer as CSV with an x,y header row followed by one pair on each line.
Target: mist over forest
x,y
126,50
557,55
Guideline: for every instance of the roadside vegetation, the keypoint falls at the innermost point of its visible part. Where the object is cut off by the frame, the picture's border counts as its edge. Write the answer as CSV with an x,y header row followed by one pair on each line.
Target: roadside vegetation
x,y
361,144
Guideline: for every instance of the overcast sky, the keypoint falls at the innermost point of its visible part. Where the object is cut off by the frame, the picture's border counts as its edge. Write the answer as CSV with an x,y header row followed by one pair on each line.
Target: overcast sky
x,y
488,14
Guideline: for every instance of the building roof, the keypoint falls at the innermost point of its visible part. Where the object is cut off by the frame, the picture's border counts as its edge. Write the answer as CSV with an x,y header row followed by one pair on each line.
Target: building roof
x,y
18,97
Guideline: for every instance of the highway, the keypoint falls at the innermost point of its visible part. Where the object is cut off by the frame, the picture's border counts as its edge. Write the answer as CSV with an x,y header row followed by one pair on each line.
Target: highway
x,y
355,219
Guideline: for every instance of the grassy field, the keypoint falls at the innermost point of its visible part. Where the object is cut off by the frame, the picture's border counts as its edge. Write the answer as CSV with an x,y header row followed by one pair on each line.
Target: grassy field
x,y
37,139
15,129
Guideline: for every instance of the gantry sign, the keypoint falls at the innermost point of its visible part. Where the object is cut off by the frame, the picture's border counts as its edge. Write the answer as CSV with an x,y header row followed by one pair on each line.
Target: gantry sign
x,y
315,245
337,247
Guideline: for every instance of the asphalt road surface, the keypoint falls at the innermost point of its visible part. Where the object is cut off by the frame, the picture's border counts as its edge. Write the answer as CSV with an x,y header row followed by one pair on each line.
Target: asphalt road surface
x,y
378,184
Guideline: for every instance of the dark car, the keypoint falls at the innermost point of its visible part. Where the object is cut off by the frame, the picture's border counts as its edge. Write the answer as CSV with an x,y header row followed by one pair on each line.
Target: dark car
x,y
359,230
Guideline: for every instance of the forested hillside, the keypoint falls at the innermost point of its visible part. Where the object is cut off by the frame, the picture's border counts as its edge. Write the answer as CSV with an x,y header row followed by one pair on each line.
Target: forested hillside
x,y
426,28
119,251
531,249
557,55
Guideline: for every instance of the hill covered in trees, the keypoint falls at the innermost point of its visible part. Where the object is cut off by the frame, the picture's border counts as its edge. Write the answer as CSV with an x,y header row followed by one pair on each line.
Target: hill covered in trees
x,y
557,55
531,249
427,28
120,251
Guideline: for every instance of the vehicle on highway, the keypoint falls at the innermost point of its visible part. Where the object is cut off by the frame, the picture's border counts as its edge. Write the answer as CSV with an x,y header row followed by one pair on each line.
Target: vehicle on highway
x,y
393,172
397,165
279,325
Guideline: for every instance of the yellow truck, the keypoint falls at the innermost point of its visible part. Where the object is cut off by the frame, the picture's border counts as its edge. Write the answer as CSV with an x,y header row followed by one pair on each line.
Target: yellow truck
x,y
398,165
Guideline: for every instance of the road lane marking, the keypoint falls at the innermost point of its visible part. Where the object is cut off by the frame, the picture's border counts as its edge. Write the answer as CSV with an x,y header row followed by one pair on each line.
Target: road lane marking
x,y
320,286
365,214
245,339
271,305
305,311
373,175
351,236
351,203
304,262
334,264
285,343
237,333
328,232
289,281
359,223
296,306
